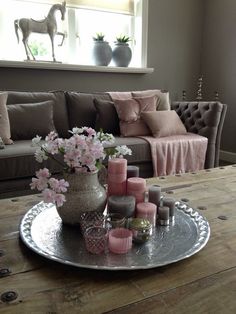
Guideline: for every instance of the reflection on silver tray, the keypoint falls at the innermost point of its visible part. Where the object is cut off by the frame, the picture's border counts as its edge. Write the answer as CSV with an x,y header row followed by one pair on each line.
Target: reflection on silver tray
x,y
42,231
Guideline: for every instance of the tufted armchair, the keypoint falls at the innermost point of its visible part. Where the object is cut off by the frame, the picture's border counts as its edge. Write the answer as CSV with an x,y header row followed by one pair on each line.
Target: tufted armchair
x,y
206,119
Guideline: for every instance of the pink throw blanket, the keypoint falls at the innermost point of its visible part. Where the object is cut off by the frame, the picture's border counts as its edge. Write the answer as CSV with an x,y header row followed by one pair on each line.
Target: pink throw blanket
x,y
177,153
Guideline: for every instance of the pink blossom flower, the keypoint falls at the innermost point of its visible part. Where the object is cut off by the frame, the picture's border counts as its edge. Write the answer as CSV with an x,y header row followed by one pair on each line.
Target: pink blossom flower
x,y
63,185
59,199
51,136
82,152
43,173
49,196
58,185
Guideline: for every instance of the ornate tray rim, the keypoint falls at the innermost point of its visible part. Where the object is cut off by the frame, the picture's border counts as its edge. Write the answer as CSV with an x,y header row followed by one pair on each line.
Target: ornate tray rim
x,y
200,221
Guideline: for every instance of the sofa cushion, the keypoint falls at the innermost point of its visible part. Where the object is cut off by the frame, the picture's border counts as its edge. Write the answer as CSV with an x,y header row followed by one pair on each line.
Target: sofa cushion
x,y
107,118
81,109
5,132
60,116
164,123
18,161
129,112
29,120
162,97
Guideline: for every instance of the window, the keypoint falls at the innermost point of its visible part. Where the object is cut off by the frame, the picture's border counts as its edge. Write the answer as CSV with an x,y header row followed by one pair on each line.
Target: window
x,y
83,20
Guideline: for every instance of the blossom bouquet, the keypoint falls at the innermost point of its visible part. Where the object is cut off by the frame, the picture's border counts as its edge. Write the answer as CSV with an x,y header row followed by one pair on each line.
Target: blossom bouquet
x,y
84,151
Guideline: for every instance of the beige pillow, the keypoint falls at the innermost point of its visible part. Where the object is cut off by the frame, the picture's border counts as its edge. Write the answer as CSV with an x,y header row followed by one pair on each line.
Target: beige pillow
x,y
129,111
162,97
164,123
5,131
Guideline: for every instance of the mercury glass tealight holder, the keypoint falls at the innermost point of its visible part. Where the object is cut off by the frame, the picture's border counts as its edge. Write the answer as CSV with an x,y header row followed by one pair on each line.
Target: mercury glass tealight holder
x,y
141,229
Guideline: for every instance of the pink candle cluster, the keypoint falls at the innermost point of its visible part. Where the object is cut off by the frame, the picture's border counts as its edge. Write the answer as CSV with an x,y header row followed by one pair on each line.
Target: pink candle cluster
x,y
136,186
117,175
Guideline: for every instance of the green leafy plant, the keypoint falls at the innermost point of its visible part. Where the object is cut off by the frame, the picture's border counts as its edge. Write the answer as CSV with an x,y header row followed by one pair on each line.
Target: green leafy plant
x,y
99,37
123,39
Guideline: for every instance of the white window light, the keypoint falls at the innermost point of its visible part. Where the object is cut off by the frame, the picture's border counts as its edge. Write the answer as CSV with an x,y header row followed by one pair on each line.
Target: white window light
x,y
128,17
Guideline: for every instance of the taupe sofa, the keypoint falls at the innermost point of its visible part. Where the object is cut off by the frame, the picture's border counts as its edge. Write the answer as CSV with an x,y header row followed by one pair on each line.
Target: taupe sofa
x,y
17,163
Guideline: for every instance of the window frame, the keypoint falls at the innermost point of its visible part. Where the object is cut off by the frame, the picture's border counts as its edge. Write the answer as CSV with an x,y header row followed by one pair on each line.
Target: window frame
x,y
143,15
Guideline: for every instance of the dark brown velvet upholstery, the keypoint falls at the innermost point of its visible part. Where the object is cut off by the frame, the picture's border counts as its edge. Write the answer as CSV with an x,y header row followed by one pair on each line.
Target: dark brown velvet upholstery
x,y
206,119
81,109
59,106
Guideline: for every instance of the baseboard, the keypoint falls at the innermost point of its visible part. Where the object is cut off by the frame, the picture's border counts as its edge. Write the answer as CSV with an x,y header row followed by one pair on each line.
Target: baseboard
x,y
228,156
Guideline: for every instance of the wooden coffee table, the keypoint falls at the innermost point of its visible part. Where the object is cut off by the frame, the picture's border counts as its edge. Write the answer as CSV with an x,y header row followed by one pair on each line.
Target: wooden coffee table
x,y
203,283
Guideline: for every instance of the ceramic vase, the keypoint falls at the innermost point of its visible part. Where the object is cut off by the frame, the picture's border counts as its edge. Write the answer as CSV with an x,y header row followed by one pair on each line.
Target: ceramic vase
x,y
102,53
85,193
122,55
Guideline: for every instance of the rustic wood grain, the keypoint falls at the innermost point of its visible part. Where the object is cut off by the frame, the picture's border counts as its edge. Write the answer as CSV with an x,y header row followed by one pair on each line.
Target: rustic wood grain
x,y
204,283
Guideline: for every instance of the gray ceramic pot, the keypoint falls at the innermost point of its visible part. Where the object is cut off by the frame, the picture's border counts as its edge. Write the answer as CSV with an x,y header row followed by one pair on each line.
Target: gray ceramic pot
x,y
102,53
121,54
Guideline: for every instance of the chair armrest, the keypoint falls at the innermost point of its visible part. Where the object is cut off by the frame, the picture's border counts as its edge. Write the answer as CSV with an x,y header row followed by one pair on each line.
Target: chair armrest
x,y
206,119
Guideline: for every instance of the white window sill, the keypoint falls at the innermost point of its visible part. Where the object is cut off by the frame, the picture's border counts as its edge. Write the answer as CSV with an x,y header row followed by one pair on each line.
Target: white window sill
x,y
72,67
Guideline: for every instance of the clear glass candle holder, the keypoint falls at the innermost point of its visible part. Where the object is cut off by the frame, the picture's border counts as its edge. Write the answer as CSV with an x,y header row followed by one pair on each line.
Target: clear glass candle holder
x,y
96,239
91,219
114,220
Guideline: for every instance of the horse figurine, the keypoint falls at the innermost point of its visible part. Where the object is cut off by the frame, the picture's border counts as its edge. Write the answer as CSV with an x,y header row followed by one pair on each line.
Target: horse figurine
x,y
45,26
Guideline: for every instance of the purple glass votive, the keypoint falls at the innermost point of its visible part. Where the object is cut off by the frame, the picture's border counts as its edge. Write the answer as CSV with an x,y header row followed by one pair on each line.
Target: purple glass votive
x,y
91,219
95,239
120,240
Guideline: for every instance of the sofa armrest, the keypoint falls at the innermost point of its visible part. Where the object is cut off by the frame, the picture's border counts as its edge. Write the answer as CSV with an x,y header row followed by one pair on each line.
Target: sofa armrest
x,y
206,119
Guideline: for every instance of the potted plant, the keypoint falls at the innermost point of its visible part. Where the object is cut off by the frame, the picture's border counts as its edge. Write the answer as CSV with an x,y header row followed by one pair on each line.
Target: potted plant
x,y
122,53
102,52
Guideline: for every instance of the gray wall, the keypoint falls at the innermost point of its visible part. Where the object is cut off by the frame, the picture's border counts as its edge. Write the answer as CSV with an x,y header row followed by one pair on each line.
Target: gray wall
x,y
219,61
174,39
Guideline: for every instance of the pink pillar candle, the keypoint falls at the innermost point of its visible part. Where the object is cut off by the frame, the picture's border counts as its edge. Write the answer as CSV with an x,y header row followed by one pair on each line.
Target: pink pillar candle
x,y
137,188
120,240
116,188
147,211
117,175
117,166
132,171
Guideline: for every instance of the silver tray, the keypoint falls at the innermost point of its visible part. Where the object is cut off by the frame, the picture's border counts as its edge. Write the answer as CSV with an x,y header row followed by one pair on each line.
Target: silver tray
x,y
41,229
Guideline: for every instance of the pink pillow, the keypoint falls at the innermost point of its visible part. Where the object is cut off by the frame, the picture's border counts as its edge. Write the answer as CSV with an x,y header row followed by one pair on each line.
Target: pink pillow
x,y
129,111
162,97
164,123
5,132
